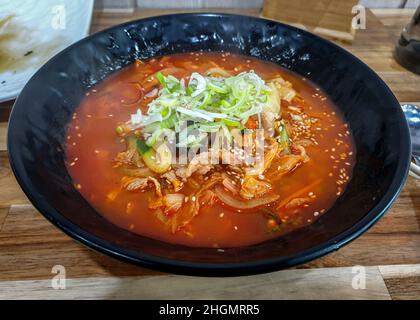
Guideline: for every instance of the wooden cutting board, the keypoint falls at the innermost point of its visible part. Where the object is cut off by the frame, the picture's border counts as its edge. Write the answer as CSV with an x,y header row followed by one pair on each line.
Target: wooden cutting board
x,y
30,246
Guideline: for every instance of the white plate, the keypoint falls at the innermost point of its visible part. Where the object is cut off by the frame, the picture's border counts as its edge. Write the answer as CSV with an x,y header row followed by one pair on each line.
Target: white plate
x,y
31,32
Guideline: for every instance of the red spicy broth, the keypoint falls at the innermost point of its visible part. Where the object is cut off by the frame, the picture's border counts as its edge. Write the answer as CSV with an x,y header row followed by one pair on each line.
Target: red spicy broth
x,y
92,145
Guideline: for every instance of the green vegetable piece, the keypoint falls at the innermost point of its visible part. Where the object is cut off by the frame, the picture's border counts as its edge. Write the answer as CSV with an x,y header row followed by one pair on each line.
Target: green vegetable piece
x,y
231,123
119,130
142,147
284,136
219,88
189,90
161,78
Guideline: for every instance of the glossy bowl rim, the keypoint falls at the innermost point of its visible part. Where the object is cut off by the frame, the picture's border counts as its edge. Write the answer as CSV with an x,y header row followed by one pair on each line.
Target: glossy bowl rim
x,y
209,268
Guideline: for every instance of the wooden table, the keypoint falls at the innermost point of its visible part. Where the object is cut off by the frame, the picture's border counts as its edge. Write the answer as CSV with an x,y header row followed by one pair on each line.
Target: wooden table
x,y
30,246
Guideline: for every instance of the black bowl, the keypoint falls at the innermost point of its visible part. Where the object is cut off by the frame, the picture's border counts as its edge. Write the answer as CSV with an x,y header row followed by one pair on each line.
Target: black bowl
x,y
40,114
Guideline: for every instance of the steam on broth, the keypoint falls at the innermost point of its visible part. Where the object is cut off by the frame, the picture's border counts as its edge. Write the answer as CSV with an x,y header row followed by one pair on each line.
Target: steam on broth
x,y
209,150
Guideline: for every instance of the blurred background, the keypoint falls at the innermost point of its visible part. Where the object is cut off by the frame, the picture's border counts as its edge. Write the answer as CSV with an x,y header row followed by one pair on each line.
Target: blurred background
x,y
170,4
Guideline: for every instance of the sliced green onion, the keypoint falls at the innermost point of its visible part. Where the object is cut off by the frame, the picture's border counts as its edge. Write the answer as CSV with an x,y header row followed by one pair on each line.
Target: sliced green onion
x,y
209,127
189,90
142,147
161,78
153,138
217,88
225,104
231,123
210,104
227,134
169,102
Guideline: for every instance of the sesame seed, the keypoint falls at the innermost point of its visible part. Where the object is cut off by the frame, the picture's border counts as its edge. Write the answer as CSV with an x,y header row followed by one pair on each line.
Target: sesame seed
x,y
235,227
221,214
316,213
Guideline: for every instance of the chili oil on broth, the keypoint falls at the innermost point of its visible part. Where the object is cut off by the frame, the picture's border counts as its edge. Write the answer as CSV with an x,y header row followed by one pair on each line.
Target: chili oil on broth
x,y
92,144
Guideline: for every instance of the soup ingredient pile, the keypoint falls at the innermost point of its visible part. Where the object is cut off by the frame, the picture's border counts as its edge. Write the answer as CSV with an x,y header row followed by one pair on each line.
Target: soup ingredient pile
x,y
236,119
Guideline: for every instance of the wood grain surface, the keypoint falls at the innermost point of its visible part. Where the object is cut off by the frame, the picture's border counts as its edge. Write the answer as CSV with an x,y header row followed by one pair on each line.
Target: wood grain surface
x,y
331,18
30,246
287,284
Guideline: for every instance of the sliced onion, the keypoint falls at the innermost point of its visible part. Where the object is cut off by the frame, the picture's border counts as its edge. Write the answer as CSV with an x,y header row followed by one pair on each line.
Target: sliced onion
x,y
137,172
161,216
243,204
304,142
173,201
136,117
152,93
216,71
201,83
230,185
